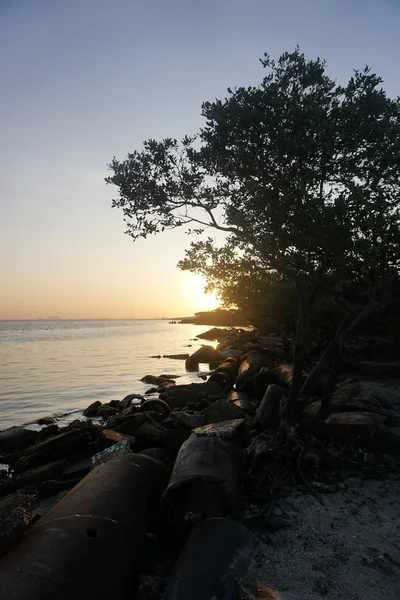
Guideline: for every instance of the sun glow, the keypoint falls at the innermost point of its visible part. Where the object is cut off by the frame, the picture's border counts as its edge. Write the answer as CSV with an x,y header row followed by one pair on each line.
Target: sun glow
x,y
196,297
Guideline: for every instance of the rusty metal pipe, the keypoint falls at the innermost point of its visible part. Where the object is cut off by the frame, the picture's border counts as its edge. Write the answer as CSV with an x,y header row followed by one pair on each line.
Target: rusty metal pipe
x,y
87,546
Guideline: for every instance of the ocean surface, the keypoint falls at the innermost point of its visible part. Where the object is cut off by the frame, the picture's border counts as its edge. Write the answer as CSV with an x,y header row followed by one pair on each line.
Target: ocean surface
x,y
52,368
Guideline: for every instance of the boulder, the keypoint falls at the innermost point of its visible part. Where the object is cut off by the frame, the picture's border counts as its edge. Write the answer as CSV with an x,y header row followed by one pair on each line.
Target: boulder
x,y
151,435
349,425
176,437
153,380
134,423
17,438
224,430
360,395
215,333
213,562
311,411
242,400
168,376
205,354
54,448
157,454
93,409
50,487
227,352
106,410
390,440
257,384
176,356
45,421
15,511
115,451
221,410
185,419
183,395
285,374
269,341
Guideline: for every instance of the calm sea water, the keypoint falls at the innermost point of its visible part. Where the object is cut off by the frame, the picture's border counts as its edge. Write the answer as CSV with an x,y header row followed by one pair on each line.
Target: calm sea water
x,y
56,367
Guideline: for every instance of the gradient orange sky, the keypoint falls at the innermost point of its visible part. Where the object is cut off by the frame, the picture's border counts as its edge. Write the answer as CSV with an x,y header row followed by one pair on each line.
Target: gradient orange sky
x,y
83,81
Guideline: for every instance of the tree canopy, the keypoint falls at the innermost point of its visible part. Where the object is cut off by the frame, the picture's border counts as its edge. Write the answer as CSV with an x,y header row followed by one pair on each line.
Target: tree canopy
x,y
300,172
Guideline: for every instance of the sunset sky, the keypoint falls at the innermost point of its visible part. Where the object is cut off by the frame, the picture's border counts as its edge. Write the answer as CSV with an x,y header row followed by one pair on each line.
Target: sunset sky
x,y
84,80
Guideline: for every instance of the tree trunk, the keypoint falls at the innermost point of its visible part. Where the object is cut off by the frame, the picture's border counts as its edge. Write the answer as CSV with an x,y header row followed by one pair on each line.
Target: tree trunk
x,y
313,378
315,375
301,350
337,347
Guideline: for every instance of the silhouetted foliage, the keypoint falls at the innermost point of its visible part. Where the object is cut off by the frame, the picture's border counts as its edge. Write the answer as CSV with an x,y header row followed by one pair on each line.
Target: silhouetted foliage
x,y
302,176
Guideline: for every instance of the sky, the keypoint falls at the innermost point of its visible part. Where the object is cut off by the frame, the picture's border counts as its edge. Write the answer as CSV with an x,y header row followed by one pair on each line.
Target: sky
x,y
85,80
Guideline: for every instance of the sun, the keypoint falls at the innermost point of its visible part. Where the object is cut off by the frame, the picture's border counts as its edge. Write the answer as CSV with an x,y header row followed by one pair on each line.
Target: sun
x,y
197,300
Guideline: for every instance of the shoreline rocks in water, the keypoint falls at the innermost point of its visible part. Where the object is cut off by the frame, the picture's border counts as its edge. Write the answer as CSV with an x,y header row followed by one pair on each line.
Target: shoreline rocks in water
x,y
220,448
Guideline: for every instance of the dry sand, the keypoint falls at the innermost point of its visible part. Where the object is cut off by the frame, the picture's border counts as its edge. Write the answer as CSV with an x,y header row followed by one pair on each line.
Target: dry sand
x,y
347,549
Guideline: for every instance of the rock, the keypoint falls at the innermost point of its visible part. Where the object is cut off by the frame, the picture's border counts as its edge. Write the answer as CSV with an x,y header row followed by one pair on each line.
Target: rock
x,y
60,446
127,401
48,471
42,507
311,411
153,380
15,516
52,486
216,557
49,431
269,341
242,400
176,356
228,352
155,404
78,469
256,385
183,395
224,430
158,454
93,409
151,434
268,412
215,333
285,374
17,438
107,410
357,395
221,410
390,440
348,425
255,360
45,421
168,376
184,419
205,354
118,449
176,437
158,356
134,423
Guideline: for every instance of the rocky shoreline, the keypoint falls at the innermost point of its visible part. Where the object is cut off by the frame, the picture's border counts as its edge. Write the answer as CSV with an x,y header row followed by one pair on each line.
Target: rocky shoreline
x,y
226,482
